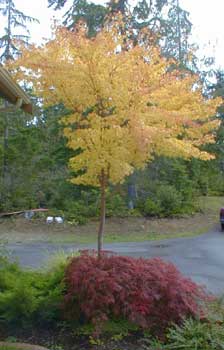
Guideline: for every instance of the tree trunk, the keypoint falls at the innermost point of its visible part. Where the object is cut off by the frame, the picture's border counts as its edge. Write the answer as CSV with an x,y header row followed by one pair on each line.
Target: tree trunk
x,y
4,177
102,212
5,147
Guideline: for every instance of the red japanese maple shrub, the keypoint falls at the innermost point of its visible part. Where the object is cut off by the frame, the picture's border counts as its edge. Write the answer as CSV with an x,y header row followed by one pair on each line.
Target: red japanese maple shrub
x,y
149,292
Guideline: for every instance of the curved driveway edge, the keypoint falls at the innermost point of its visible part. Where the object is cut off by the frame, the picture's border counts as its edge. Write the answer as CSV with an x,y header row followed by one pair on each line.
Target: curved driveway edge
x,y
201,257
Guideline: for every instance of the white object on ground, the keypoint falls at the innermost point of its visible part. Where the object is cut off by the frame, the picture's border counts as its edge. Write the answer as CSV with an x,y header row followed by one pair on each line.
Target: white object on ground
x,y
49,219
58,219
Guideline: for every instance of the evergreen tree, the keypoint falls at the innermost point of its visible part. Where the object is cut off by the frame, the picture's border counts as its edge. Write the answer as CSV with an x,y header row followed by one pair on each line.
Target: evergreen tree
x,y
217,90
8,50
92,14
166,20
57,4
176,36
14,19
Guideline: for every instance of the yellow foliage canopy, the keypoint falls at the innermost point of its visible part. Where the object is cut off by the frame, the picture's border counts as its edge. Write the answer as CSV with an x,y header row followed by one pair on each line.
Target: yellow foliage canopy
x,y
126,105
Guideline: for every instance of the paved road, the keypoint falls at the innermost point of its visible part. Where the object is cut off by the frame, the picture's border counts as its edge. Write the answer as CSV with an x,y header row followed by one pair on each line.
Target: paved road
x,y
201,258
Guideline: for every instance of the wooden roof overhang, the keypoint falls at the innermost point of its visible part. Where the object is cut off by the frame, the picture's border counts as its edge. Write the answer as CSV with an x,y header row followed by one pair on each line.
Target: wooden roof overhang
x,y
13,93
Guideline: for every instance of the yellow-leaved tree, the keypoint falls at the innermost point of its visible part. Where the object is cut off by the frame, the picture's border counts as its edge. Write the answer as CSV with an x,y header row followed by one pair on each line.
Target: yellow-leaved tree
x,y
125,104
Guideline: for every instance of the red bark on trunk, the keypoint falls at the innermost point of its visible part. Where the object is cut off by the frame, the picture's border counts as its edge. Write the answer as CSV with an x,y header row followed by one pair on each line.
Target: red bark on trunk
x,y
102,212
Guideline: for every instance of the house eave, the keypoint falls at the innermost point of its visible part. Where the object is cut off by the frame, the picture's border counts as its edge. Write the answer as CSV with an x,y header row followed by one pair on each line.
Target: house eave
x,y
13,93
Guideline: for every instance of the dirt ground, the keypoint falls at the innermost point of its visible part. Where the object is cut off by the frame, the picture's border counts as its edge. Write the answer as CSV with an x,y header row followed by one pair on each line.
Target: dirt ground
x,y
65,339
19,229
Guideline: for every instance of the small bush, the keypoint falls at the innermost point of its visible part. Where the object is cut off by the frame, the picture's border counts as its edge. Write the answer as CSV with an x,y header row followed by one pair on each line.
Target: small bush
x,y
170,200
115,205
17,297
194,335
30,297
113,328
79,211
152,208
18,304
147,292
165,200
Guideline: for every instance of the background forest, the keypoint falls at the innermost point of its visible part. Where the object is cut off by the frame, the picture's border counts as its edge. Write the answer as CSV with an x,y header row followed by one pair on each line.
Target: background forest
x,y
33,154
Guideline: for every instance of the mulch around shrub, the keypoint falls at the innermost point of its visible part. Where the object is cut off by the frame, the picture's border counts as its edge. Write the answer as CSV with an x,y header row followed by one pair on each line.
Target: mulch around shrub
x,y
64,339
21,346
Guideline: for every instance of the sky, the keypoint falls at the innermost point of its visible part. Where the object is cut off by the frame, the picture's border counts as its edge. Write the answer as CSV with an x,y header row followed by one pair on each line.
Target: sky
x,y
208,30
206,16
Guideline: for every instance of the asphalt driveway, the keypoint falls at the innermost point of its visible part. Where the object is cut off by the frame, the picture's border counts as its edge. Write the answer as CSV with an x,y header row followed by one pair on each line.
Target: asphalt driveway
x,y
201,257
